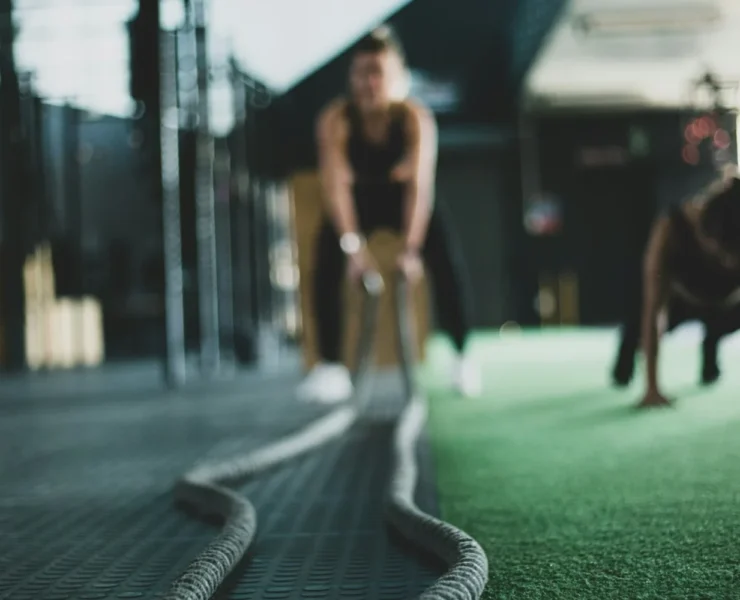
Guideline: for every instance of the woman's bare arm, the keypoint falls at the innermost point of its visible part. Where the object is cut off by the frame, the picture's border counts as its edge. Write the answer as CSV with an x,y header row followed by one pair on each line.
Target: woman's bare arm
x,y
655,292
418,171
334,169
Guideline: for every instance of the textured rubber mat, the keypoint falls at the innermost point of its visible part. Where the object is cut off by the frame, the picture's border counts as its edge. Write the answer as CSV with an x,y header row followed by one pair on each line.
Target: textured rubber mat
x,y
86,513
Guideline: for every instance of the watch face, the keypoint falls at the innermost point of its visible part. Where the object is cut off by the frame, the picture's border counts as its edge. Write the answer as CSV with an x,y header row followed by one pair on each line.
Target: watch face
x,y
350,243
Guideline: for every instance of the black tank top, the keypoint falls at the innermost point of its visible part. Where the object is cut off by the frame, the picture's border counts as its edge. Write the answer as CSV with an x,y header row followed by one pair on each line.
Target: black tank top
x,y
372,162
699,274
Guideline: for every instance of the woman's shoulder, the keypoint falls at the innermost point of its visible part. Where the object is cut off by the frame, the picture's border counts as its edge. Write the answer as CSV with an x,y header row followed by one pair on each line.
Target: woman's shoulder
x,y
333,118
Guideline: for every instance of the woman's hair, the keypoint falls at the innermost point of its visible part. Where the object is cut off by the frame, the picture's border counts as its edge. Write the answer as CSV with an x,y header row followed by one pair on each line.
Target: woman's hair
x,y
380,39
384,39
721,215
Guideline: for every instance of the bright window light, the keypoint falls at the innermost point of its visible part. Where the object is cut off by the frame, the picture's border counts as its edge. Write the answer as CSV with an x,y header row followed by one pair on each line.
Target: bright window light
x,y
171,14
78,52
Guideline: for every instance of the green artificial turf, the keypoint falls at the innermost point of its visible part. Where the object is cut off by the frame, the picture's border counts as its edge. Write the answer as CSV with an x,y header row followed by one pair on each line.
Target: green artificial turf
x,y
574,494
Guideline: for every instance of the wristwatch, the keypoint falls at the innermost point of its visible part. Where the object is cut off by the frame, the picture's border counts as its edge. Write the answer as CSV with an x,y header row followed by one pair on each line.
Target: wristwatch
x,y
351,243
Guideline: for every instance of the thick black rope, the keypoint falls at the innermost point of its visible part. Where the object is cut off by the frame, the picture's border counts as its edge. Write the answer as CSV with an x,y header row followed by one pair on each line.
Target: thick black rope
x,y
205,488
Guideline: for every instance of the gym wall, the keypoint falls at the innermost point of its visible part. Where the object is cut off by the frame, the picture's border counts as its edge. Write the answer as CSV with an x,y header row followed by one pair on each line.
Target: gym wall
x,y
611,174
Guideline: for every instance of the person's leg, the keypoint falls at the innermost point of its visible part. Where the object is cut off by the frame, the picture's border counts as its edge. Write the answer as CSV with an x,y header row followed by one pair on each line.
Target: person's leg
x,y
444,263
630,331
327,293
710,372
716,326
624,367
329,381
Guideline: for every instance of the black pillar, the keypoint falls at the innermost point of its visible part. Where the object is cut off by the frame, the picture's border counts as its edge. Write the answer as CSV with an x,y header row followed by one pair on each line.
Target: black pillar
x,y
225,270
72,283
245,321
154,84
13,188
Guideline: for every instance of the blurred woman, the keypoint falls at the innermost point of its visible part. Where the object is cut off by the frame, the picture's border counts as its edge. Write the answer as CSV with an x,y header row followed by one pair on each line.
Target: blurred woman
x,y
377,161
692,264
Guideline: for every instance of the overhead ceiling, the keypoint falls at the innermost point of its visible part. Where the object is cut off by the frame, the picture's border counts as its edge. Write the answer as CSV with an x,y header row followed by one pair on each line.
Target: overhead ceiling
x,y
78,50
280,42
631,53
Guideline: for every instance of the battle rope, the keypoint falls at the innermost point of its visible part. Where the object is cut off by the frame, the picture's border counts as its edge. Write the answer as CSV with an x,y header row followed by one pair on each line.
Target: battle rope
x,y
467,563
205,487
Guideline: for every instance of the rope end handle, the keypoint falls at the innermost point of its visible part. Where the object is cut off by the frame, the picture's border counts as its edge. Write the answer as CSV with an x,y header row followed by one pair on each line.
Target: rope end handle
x,y
372,283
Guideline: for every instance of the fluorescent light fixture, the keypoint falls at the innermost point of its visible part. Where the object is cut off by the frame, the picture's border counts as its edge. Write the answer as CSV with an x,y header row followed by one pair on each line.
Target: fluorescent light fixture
x,y
672,19
652,84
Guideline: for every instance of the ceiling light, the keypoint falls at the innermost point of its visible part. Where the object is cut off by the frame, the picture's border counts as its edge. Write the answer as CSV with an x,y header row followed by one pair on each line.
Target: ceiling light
x,y
677,19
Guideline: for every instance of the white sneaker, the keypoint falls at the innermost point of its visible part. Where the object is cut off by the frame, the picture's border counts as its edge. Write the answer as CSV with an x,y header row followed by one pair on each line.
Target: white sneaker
x,y
327,383
466,378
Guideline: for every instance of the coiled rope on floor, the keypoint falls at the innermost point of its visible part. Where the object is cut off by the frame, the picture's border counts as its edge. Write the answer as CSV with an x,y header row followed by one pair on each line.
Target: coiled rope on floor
x,y
206,487
206,490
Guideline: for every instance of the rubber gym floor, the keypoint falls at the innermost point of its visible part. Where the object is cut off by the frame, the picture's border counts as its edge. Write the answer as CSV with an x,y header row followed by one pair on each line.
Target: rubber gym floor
x,y
572,493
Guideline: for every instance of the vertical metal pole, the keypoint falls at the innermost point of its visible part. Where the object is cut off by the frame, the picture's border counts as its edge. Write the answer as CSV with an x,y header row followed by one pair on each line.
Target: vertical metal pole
x,y
210,350
258,231
529,171
263,232
12,189
29,128
275,238
73,195
529,156
240,219
222,179
45,209
176,364
259,234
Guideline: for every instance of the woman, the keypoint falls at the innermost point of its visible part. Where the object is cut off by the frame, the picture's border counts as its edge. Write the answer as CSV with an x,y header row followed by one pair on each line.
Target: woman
x,y
377,161
692,259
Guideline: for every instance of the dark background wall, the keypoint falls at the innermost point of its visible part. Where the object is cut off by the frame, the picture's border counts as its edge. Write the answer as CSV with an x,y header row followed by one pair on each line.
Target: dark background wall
x,y
608,208
98,183
472,185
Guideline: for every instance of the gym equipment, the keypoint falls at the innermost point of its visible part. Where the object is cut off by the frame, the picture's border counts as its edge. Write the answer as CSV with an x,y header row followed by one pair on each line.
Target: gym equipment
x,y
206,487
